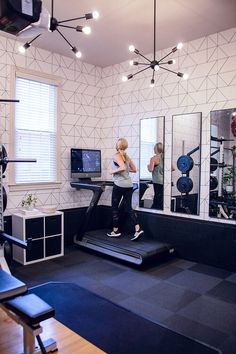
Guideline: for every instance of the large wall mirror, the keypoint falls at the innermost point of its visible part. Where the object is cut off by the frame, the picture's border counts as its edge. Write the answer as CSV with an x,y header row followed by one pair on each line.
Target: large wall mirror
x,y
151,163
222,202
186,163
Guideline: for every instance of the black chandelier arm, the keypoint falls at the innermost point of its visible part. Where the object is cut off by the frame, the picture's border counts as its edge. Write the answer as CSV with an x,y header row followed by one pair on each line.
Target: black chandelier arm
x,y
154,49
72,19
65,26
140,71
159,61
171,71
64,38
142,64
34,38
52,9
144,57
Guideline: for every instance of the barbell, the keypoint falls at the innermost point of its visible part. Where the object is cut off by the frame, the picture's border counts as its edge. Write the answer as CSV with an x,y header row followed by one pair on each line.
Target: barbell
x,y
4,159
184,184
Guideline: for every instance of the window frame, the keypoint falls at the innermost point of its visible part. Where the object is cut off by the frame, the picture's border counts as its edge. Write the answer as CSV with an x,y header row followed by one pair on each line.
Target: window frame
x,y
48,79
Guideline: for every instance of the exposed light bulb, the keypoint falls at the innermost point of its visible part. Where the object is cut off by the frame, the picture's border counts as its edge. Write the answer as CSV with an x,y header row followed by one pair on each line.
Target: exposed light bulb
x,y
152,84
124,78
131,48
86,30
156,67
185,76
95,15
21,49
131,62
180,45
172,61
77,52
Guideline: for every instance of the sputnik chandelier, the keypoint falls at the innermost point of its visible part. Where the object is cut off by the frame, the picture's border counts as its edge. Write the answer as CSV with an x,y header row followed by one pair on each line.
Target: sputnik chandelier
x,y
48,22
154,64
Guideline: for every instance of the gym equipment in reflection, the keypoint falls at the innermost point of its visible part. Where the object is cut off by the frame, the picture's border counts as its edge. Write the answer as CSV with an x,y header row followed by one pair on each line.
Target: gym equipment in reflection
x,y
6,240
222,198
184,184
121,248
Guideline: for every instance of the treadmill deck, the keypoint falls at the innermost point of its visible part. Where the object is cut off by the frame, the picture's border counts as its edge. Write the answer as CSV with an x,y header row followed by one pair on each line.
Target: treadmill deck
x,y
122,247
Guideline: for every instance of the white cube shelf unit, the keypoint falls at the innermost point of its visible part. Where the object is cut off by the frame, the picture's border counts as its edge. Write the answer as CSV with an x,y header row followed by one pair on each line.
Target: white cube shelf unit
x,y
46,232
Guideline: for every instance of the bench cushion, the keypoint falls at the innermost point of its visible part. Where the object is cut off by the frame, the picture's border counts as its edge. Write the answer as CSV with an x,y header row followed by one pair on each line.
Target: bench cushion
x,y
30,308
10,286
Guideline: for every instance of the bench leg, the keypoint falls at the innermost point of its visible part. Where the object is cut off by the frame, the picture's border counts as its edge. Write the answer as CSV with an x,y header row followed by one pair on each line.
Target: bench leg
x,y
30,347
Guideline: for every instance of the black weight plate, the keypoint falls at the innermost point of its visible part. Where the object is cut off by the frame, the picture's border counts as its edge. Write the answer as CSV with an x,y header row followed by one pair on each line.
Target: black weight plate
x,y
3,155
185,163
213,183
4,196
184,184
214,164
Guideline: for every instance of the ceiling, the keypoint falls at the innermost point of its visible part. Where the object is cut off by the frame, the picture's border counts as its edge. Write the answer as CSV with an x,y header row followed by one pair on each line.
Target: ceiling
x,y
123,22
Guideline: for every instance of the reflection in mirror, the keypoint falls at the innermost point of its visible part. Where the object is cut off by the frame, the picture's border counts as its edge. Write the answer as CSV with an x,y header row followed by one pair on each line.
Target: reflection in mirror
x,y
186,158
223,164
151,163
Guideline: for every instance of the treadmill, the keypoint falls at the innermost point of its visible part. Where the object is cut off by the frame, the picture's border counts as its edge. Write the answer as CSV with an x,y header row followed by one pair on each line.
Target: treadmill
x,y
136,252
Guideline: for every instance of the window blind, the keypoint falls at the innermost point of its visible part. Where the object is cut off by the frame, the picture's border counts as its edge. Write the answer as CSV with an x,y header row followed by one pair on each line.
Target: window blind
x,y
36,131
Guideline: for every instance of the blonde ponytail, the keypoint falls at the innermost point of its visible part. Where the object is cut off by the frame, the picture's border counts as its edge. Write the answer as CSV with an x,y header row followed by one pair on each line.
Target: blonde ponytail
x,y
121,146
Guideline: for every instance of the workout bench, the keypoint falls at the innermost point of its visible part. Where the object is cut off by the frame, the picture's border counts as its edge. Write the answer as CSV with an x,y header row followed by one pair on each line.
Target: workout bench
x,y
28,310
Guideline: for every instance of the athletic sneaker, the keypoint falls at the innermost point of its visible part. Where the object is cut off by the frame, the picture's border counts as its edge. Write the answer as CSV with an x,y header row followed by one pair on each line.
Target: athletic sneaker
x,y
137,235
114,234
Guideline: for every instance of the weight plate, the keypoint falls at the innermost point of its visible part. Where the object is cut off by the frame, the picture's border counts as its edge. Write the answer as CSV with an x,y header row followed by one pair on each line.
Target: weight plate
x,y
3,155
213,183
214,164
185,163
184,184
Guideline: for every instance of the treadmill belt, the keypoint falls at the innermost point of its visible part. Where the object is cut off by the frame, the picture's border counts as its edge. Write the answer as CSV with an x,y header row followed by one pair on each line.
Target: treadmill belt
x,y
122,247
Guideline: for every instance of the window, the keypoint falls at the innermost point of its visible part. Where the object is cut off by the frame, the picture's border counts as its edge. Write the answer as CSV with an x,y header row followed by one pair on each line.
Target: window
x,y
35,130
148,140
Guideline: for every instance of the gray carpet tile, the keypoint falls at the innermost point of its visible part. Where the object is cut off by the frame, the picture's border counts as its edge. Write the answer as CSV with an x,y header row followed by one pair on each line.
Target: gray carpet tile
x,y
169,296
191,328
99,270
194,281
225,291
229,345
183,263
213,313
209,270
232,278
152,312
131,282
164,272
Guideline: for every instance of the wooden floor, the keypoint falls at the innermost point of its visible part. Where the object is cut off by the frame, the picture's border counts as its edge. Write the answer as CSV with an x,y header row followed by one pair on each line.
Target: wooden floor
x,y
68,342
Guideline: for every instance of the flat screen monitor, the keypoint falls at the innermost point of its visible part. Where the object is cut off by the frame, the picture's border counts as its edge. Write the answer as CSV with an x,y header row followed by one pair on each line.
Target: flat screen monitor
x,y
85,163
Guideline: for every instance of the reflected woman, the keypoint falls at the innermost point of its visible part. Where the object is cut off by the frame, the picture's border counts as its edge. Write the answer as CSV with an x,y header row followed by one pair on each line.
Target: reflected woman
x,y
156,167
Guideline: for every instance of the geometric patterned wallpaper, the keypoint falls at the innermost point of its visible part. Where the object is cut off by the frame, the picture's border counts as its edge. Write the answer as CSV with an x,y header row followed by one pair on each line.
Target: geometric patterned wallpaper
x,y
97,108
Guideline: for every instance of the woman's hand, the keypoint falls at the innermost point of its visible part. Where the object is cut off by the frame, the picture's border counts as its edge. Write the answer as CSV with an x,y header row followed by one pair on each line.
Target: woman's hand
x,y
110,171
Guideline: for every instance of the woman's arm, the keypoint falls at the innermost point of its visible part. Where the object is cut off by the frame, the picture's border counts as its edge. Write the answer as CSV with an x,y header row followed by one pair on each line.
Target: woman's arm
x,y
154,161
118,159
132,167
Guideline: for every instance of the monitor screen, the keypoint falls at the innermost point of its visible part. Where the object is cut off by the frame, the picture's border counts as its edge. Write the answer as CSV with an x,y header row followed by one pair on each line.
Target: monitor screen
x,y
85,163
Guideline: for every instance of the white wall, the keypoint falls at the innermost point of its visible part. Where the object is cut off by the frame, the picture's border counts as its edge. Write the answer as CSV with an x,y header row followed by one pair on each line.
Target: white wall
x,y
97,107
211,64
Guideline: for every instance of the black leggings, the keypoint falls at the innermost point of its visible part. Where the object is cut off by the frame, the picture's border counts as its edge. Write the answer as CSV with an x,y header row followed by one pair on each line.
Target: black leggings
x,y
117,194
158,196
